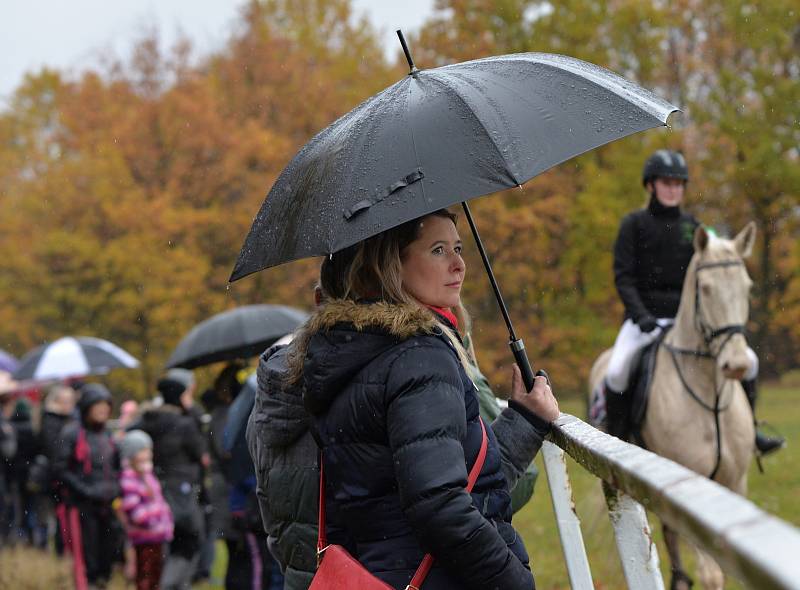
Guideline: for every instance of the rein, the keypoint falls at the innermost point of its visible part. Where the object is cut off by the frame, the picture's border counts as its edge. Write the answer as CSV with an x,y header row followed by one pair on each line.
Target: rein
x,y
710,334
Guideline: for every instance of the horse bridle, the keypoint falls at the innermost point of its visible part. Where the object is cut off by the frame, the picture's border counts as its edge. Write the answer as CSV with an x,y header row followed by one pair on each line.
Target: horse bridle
x,y
710,334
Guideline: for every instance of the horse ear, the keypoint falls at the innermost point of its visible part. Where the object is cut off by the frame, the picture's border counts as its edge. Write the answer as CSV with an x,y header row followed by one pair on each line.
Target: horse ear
x,y
745,240
700,239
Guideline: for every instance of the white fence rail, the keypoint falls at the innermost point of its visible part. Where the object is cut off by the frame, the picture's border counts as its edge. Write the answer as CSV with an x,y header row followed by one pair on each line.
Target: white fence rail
x,y
750,545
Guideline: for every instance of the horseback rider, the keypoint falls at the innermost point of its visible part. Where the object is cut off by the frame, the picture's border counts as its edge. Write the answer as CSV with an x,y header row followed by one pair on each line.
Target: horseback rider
x,y
651,255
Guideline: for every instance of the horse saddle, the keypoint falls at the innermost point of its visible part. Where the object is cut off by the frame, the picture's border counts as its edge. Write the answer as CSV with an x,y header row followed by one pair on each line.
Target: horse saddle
x,y
639,386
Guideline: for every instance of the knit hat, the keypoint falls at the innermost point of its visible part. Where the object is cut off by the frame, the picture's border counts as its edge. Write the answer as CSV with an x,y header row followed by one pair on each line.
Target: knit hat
x,y
173,384
133,442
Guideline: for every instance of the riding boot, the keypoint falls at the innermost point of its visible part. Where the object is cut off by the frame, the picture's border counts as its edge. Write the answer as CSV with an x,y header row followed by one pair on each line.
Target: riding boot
x,y
765,444
617,414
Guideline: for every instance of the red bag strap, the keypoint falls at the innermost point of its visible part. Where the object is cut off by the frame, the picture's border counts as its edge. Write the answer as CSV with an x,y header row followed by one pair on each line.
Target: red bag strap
x,y
427,561
322,538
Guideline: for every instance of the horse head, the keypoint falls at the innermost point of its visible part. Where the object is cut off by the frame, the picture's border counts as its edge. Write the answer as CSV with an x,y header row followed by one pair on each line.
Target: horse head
x,y
717,292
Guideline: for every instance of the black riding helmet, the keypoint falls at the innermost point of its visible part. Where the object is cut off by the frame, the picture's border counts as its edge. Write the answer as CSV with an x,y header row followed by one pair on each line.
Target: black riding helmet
x,y
665,164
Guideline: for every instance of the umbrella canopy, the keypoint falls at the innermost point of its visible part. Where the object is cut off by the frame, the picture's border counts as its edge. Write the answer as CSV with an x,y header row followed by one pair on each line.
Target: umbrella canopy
x,y
73,357
237,333
436,138
8,362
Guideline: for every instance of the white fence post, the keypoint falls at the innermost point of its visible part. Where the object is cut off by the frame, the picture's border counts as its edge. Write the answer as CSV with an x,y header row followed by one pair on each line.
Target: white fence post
x,y
637,550
749,544
569,525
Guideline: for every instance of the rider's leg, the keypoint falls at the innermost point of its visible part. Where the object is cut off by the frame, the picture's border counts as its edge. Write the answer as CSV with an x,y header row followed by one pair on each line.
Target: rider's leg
x,y
623,356
627,348
765,444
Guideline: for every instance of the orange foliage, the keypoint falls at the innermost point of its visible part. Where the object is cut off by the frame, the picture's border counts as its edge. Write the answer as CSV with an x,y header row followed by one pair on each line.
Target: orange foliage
x,y
127,193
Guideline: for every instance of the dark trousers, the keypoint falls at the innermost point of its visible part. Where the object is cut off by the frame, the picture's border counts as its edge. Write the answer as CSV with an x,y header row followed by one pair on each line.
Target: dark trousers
x,y
149,563
90,535
184,550
250,564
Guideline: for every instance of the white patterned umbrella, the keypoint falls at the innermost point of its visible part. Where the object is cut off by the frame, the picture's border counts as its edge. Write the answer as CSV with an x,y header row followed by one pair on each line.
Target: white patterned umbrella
x,y
73,357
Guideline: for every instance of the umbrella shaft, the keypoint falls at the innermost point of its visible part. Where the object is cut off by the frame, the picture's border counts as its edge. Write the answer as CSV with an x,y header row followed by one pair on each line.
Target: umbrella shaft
x,y
517,347
512,336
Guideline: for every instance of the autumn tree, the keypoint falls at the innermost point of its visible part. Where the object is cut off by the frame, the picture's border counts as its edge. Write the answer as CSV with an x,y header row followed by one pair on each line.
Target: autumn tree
x,y
128,190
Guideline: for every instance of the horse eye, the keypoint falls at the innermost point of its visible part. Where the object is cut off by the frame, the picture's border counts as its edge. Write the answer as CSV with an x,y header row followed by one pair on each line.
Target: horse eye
x,y
705,288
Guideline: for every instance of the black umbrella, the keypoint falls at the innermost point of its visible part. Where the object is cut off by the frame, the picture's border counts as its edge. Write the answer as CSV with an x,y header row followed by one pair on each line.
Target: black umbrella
x,y
436,138
241,332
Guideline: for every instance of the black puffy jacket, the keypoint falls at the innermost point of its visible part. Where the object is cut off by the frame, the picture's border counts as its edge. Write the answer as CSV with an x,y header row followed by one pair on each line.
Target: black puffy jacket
x,y
87,464
398,418
653,249
178,445
285,457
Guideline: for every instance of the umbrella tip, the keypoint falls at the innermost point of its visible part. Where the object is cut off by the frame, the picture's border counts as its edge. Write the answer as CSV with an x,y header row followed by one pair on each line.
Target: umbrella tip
x,y
409,59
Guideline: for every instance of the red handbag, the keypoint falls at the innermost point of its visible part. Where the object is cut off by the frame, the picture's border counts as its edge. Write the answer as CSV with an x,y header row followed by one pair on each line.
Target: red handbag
x,y
338,570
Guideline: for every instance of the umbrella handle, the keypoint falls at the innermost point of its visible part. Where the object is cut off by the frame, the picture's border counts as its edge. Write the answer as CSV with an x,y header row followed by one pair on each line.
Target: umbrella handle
x,y
521,357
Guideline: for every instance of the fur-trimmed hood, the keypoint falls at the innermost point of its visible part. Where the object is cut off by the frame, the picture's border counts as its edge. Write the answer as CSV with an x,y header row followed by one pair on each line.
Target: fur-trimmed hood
x,y
344,336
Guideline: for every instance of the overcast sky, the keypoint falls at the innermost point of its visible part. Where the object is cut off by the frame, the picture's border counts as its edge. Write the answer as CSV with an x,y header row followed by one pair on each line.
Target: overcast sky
x,y
74,34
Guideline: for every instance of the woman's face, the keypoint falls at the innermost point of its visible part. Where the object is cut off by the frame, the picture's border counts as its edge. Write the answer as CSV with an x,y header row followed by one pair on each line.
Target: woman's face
x,y
669,191
433,270
99,413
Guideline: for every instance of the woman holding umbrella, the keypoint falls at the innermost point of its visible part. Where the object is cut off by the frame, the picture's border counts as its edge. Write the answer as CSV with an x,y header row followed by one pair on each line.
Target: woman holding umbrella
x,y
383,368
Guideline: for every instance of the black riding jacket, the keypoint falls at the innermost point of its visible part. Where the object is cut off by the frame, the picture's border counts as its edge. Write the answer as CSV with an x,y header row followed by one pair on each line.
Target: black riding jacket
x,y
652,252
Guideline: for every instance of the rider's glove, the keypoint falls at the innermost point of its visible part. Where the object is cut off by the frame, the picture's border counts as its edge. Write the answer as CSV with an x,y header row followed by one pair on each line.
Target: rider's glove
x,y
647,323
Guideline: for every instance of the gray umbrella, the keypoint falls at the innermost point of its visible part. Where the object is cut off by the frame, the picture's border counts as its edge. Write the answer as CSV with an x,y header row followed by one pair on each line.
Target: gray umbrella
x,y
241,332
436,138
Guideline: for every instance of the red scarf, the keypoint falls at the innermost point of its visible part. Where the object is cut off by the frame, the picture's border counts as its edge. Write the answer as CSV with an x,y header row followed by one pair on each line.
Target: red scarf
x,y
446,314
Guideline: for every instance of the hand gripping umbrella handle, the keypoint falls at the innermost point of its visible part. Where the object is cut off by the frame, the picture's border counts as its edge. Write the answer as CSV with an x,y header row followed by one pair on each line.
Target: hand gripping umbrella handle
x,y
521,357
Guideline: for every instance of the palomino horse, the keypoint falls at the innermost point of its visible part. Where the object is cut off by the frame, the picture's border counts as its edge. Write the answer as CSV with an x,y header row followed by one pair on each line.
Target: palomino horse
x,y
698,414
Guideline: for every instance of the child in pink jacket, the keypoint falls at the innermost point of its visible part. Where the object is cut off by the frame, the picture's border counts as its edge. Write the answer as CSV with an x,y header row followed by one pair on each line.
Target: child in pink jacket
x,y
147,517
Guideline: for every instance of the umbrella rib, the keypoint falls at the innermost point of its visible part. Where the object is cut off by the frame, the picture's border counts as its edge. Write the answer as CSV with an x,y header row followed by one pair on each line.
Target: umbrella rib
x,y
600,78
453,91
414,143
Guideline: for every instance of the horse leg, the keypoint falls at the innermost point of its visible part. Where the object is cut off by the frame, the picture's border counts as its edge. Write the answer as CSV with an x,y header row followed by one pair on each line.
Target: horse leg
x,y
709,572
680,579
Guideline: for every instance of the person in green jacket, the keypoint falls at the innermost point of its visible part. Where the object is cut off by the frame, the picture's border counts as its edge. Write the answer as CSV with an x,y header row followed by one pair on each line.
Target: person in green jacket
x,y
490,408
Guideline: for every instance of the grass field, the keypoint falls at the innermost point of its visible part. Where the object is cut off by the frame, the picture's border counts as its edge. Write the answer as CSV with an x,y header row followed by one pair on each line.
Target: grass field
x,y
778,492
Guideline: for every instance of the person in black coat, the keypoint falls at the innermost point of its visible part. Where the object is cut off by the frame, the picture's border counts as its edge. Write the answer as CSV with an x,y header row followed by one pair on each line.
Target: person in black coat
x,y
382,368
59,407
651,255
8,448
179,457
27,496
88,466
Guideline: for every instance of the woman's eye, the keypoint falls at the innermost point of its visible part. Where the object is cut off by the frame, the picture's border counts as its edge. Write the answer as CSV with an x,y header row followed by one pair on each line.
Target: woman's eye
x,y
438,250
457,249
